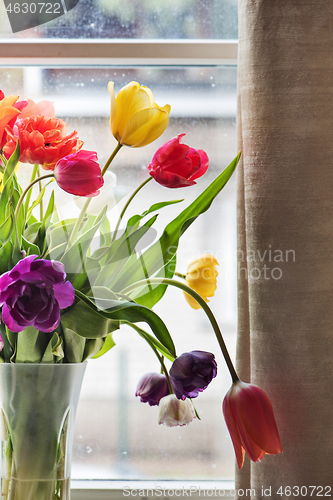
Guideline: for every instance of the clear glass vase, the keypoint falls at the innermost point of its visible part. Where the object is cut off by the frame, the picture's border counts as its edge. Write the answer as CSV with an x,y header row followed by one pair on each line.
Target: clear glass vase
x,y
38,406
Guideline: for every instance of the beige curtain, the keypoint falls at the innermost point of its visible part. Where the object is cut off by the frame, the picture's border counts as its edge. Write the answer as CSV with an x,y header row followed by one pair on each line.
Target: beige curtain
x,y
285,210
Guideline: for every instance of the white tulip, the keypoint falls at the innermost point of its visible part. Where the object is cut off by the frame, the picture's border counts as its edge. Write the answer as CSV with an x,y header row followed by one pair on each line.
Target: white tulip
x,y
174,411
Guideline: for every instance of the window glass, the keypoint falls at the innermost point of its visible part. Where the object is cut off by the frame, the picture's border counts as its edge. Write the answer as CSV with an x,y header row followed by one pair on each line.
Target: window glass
x,y
137,19
116,436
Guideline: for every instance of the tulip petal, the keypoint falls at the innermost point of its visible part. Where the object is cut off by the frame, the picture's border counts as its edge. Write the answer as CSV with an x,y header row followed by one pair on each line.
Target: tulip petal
x,y
64,294
203,166
130,100
232,428
145,127
113,104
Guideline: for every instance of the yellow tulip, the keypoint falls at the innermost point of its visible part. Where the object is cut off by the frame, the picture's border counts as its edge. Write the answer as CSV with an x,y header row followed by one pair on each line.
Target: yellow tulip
x,y
201,277
136,120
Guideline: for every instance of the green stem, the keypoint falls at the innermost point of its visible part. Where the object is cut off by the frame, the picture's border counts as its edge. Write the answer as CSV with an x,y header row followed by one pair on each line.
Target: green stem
x,y
113,154
87,202
41,215
126,206
159,357
18,206
204,306
180,275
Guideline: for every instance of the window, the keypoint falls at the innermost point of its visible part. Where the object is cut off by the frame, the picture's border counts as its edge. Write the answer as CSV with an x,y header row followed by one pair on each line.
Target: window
x,y
117,437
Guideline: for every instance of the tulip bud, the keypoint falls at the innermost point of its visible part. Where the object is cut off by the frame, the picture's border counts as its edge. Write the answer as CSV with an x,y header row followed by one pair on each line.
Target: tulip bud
x,y
192,372
79,174
249,416
151,388
175,412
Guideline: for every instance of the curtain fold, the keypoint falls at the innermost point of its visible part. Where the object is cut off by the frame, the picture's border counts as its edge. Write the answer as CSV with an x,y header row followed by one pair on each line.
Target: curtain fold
x,y
285,235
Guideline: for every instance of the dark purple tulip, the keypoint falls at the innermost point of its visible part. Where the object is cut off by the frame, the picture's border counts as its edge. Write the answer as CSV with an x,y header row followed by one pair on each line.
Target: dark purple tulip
x,y
152,387
33,293
192,372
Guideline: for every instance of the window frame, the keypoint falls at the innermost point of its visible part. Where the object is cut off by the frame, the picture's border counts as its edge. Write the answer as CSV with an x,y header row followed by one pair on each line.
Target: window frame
x,y
123,52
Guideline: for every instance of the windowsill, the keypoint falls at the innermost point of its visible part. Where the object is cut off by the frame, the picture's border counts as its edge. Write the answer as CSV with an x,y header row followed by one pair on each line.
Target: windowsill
x,y
113,490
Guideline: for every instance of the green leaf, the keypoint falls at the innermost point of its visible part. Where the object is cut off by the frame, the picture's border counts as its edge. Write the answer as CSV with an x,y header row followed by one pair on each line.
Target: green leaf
x,y
31,232
74,346
149,296
126,247
161,252
92,347
6,229
151,340
57,237
28,195
135,219
54,352
7,350
30,248
108,344
31,345
74,259
130,312
12,163
87,322
6,252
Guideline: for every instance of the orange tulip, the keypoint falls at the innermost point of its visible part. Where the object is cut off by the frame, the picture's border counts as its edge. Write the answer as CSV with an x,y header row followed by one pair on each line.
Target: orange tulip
x,y
249,416
7,113
43,140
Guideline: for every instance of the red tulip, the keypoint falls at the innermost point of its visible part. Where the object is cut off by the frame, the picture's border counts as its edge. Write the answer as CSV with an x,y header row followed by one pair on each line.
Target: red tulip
x,y
250,420
176,165
79,174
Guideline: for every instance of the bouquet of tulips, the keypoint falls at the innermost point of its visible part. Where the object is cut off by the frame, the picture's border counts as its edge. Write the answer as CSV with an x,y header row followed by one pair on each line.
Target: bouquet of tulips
x,y
61,298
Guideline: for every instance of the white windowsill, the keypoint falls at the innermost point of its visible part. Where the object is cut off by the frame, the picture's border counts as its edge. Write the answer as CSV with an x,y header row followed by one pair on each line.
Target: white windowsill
x,y
141,490
98,52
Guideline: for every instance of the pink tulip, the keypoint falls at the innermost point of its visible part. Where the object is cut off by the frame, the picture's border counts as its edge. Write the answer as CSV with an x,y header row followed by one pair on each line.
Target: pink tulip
x,y
79,174
41,108
250,420
176,165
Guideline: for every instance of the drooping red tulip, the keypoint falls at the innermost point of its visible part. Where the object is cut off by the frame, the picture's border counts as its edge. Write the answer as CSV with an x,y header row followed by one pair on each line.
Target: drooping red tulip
x,y
249,416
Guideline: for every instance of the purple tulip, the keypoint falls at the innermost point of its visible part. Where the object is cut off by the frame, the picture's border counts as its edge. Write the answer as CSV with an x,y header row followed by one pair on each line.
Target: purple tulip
x,y
33,293
151,388
192,372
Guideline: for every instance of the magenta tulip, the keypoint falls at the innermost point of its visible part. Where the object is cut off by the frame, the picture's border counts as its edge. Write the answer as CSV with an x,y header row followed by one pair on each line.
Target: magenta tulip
x,y
79,174
176,165
249,416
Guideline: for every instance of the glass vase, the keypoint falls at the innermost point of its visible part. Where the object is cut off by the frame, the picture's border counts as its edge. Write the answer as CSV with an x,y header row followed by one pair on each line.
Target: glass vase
x,y
38,406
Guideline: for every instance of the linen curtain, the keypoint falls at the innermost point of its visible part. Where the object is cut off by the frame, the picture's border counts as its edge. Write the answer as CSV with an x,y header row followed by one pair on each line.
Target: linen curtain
x,y
285,224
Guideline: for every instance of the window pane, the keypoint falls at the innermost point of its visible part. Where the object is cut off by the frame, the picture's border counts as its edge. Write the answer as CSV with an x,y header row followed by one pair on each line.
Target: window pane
x,y
116,435
138,19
